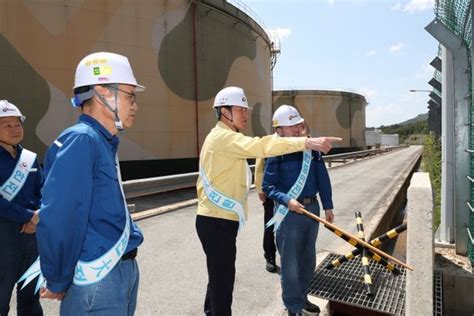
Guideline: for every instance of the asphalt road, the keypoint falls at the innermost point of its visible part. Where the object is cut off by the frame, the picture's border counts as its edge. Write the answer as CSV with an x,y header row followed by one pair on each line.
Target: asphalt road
x,y
172,262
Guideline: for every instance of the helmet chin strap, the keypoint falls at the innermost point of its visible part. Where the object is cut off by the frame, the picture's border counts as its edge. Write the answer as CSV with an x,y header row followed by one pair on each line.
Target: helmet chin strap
x,y
231,119
105,102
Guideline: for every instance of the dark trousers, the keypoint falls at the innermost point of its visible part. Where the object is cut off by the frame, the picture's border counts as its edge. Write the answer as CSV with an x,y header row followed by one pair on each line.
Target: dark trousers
x,y
269,247
17,252
218,237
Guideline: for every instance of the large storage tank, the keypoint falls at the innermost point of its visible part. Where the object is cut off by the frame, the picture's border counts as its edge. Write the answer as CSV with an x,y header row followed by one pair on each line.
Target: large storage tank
x,y
390,140
183,51
329,113
373,139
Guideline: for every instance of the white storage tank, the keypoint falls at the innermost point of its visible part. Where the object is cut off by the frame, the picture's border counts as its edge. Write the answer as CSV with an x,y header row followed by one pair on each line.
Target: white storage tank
x,y
390,140
373,139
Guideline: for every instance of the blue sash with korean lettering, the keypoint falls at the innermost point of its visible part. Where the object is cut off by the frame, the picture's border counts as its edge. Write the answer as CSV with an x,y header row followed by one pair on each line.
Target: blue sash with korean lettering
x,y
17,179
92,271
222,201
294,192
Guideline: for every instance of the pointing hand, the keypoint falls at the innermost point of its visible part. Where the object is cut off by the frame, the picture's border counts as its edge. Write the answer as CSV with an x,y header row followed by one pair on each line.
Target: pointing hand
x,y
323,144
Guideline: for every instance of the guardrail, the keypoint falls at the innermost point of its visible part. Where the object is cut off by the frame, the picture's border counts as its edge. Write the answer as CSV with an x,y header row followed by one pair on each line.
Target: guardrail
x,y
342,158
149,186
351,155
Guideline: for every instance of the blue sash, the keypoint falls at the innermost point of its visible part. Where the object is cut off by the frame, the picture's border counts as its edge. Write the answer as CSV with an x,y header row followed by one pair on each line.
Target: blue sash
x,y
222,201
17,179
294,192
92,271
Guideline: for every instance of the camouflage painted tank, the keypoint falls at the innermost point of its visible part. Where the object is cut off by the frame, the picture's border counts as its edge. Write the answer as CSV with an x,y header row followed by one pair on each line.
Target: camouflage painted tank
x,y
183,51
337,113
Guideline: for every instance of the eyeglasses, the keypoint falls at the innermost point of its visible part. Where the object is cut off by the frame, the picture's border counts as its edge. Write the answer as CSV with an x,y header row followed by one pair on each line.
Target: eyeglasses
x,y
133,97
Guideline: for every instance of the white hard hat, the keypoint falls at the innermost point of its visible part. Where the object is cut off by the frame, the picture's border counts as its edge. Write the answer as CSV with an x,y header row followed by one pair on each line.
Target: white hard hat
x,y
231,96
105,68
286,115
9,109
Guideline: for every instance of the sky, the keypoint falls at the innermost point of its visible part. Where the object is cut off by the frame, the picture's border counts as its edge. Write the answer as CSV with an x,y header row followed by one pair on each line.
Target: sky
x,y
378,48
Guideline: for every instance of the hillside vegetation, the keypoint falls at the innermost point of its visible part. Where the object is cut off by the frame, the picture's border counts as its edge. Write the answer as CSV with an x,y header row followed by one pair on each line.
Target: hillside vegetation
x,y
404,130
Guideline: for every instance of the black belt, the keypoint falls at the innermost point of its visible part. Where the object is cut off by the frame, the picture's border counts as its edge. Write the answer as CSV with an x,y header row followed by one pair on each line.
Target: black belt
x,y
130,255
307,200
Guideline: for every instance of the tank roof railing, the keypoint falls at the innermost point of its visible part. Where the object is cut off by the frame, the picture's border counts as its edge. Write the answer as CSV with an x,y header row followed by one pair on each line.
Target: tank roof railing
x,y
274,38
245,8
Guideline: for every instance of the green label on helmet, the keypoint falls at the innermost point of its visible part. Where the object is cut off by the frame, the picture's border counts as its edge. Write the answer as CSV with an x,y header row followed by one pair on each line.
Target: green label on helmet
x,y
96,71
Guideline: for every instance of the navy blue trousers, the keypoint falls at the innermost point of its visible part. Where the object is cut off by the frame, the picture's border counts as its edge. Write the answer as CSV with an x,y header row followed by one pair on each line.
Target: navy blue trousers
x,y
218,237
269,247
17,252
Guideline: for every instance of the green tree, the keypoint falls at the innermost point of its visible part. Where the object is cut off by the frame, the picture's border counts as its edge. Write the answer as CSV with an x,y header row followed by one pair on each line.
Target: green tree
x,y
431,163
405,130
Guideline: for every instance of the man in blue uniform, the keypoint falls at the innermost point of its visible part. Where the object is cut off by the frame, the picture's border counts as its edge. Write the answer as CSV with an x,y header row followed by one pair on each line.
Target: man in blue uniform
x,y
293,181
21,179
86,238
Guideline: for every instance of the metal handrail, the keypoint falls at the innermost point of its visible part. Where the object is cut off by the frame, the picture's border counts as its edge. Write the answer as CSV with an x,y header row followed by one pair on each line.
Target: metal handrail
x,y
358,154
149,186
350,155
246,9
353,153
254,24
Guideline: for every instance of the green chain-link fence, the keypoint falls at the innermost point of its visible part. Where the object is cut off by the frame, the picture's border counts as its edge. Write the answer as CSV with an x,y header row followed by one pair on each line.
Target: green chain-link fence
x,y
456,15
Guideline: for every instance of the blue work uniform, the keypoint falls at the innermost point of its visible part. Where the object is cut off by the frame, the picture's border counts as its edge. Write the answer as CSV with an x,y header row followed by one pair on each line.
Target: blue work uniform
x,y
296,236
83,212
18,250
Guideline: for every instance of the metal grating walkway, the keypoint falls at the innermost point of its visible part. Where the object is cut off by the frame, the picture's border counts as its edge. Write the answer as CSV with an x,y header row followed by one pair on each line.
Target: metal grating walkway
x,y
345,284
438,294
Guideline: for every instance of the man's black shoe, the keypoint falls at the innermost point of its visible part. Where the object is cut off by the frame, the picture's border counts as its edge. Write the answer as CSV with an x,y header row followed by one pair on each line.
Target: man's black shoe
x,y
294,314
311,309
271,266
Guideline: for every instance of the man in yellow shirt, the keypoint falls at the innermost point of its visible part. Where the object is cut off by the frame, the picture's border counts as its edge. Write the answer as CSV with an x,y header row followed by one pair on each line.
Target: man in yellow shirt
x,y
223,185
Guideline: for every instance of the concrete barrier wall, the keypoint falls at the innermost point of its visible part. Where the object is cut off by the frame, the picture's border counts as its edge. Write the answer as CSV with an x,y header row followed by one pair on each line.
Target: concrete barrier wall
x,y
420,246
395,201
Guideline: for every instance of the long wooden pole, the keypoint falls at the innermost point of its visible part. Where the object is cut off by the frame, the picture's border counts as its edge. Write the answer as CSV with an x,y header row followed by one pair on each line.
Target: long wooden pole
x,y
359,241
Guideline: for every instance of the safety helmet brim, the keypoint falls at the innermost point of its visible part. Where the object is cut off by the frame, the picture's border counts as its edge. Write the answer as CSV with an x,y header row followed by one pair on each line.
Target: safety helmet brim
x,y
139,88
8,109
278,124
286,115
231,96
105,68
